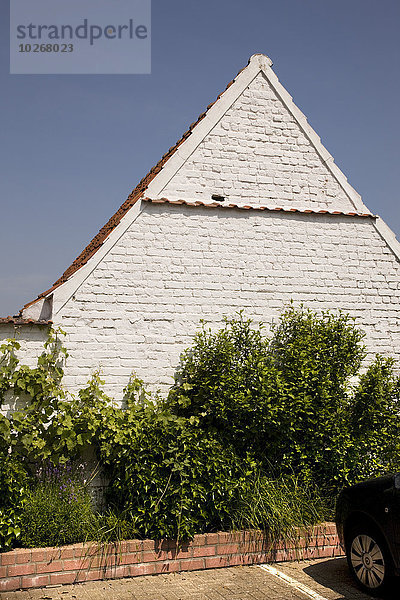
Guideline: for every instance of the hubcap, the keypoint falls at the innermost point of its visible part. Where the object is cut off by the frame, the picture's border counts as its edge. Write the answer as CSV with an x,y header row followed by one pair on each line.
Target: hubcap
x,y
367,560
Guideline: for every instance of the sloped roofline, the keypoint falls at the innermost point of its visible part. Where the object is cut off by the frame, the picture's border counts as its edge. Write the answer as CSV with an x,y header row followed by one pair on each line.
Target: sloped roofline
x,y
133,197
158,177
256,64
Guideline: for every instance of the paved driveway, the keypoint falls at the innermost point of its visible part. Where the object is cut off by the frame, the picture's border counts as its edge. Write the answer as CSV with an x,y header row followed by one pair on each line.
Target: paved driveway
x,y
325,579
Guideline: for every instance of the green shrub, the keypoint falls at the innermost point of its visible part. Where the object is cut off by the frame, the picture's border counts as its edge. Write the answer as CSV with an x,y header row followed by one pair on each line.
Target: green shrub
x,y
223,381
58,510
255,432
287,400
375,421
29,432
316,355
166,477
13,486
170,478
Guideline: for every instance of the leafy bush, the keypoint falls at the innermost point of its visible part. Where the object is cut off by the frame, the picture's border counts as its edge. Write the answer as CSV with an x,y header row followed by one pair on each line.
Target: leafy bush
x,y
170,478
13,486
51,423
115,526
28,432
287,400
375,421
221,381
58,510
166,476
316,356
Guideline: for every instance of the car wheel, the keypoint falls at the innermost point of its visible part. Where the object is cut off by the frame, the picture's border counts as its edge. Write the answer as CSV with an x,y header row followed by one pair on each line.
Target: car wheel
x,y
368,560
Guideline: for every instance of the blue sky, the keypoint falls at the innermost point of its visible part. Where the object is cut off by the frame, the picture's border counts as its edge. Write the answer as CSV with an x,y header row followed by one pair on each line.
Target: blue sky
x,y
73,147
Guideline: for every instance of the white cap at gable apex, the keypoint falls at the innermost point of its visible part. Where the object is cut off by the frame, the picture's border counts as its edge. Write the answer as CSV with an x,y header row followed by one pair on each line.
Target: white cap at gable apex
x,y
262,60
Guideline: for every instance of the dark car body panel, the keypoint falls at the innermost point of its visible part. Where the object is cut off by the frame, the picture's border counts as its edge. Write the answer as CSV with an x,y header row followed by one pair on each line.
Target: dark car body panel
x,y
375,503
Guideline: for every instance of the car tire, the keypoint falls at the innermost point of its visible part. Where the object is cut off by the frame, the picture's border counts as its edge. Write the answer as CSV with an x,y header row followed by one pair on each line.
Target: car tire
x,y
368,559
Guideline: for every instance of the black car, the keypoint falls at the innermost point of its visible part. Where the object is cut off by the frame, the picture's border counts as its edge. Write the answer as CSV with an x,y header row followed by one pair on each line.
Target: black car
x,y
368,525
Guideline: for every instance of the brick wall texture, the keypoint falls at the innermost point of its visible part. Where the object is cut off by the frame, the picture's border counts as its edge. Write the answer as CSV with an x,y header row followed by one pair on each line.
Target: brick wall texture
x,y
257,152
72,564
141,306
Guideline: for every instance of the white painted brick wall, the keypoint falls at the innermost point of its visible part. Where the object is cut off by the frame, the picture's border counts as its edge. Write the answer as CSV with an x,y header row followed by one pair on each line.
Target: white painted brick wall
x,y
258,153
175,265
31,339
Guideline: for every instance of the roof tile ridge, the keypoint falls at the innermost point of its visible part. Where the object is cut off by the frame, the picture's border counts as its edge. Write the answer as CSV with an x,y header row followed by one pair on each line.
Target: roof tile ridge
x,y
268,207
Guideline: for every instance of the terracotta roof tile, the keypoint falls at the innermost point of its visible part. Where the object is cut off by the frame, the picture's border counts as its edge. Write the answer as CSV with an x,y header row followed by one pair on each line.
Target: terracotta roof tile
x,y
224,205
20,321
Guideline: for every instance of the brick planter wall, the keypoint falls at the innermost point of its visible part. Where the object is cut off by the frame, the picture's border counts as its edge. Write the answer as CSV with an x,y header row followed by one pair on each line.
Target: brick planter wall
x,y
39,567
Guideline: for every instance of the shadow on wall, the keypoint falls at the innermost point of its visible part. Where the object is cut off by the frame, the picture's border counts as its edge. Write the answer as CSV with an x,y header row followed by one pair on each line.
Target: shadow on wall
x,y
31,334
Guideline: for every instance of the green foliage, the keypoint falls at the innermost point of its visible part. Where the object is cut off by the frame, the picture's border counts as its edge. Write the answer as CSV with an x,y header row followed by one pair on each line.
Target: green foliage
x,y
58,510
221,382
315,356
255,432
27,430
8,363
315,351
48,425
13,486
278,506
170,478
375,421
74,422
165,474
287,400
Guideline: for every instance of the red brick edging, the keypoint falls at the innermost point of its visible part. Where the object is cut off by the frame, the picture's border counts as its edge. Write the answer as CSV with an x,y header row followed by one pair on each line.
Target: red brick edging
x,y
39,567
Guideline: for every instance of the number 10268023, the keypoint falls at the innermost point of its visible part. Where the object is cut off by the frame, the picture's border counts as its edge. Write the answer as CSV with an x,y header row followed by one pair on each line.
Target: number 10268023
x,y
46,48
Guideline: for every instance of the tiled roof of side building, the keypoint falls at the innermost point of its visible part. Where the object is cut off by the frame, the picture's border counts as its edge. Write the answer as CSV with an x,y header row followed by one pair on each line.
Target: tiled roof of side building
x,y
16,320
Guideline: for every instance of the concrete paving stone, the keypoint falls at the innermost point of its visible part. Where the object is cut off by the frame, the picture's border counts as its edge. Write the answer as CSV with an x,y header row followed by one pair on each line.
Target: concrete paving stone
x,y
330,578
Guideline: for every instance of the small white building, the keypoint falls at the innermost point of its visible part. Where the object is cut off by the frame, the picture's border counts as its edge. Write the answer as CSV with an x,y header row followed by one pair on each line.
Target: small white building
x,y
247,211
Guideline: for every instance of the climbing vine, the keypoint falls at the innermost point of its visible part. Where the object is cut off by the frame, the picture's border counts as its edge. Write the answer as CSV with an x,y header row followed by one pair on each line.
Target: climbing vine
x,y
48,425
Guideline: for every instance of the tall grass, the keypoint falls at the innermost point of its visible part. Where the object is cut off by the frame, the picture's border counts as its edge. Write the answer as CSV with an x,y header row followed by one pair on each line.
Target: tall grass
x,y
279,506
